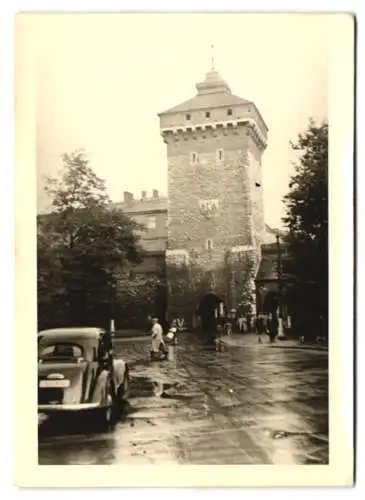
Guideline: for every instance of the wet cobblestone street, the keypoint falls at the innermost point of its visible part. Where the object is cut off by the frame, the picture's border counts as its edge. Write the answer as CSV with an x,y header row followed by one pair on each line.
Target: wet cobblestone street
x,y
243,405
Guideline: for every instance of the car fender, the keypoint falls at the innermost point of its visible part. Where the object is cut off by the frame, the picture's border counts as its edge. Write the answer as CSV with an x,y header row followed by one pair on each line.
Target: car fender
x,y
100,392
119,371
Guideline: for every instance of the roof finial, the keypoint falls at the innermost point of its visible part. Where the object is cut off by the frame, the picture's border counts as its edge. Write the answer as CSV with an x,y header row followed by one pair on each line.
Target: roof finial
x,y
212,47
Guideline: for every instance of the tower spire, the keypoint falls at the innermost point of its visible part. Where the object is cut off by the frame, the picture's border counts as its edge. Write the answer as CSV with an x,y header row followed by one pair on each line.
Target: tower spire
x,y
212,55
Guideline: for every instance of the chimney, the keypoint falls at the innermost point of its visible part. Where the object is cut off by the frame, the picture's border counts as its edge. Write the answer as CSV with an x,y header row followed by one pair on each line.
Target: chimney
x,y
144,195
128,198
155,193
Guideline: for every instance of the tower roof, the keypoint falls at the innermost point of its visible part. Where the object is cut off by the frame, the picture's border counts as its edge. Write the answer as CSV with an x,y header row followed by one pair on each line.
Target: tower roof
x,y
213,92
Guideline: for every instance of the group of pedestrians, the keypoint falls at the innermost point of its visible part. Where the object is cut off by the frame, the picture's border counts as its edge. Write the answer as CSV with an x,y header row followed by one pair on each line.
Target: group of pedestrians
x,y
243,324
162,346
262,324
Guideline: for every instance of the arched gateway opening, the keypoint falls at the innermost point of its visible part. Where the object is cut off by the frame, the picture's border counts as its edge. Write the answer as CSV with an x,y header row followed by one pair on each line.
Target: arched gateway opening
x,y
208,311
270,302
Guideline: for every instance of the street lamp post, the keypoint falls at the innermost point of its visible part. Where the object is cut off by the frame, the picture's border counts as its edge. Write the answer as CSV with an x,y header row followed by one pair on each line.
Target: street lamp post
x,y
233,290
281,334
112,318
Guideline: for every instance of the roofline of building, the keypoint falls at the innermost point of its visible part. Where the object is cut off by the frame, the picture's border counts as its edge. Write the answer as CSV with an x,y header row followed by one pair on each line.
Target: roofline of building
x,y
145,211
155,252
246,102
172,112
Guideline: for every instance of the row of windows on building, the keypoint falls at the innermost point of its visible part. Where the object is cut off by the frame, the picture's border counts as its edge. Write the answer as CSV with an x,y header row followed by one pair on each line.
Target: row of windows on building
x,y
194,156
151,222
208,114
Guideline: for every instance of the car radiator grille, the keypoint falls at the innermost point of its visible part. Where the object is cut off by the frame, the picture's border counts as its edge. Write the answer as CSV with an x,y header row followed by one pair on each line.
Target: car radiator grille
x,y
50,396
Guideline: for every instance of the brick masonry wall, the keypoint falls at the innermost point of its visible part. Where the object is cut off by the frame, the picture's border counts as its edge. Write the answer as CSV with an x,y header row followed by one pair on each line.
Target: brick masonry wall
x,y
257,192
224,180
240,217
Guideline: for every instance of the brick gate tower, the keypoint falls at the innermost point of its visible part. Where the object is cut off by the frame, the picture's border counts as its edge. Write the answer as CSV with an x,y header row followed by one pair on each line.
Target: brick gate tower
x,y
215,203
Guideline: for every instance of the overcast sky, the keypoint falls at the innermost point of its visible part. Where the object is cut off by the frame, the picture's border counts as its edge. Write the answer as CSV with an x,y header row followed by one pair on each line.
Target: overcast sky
x,y
103,78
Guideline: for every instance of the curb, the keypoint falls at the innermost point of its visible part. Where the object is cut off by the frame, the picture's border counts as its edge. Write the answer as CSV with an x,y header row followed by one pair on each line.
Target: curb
x,y
304,347
282,345
135,339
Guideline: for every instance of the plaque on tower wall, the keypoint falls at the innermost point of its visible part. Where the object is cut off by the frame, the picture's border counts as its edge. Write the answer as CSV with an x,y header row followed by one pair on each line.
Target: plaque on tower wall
x,y
209,208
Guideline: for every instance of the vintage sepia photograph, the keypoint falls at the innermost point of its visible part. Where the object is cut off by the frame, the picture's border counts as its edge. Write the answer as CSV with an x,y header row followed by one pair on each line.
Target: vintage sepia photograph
x,y
182,239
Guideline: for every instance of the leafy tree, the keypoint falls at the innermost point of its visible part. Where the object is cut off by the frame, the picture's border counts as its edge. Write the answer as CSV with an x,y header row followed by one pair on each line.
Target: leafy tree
x,y
77,185
49,283
138,297
244,279
82,245
307,223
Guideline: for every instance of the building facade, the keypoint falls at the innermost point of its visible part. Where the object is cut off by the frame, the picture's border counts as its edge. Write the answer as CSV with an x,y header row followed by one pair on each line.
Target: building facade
x,y
150,211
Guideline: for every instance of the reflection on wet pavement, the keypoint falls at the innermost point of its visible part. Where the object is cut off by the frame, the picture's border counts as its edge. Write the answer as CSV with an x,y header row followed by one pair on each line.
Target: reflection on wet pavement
x,y
251,405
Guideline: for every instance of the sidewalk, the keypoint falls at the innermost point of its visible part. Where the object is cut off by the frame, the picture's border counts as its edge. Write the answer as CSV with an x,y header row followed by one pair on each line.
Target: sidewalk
x,y
251,339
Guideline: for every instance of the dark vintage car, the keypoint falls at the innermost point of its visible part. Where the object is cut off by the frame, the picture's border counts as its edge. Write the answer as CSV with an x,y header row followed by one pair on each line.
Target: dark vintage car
x,y
78,372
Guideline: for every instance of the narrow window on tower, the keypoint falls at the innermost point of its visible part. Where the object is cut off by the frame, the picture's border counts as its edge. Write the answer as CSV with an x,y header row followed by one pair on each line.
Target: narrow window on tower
x,y
229,112
187,116
207,114
193,158
151,222
209,245
220,154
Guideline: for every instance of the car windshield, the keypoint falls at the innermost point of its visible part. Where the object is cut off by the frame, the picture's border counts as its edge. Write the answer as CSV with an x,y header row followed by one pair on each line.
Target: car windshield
x,y
62,351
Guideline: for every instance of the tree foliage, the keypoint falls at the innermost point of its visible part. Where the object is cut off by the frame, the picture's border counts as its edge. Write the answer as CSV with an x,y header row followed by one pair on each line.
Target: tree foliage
x,y
244,275
82,245
77,185
307,221
232,282
137,298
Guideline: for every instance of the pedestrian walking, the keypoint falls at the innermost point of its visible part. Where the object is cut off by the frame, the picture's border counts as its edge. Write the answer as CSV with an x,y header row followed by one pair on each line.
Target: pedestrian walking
x,y
241,324
228,327
274,324
219,334
158,345
172,333
260,327
249,320
266,320
171,341
180,324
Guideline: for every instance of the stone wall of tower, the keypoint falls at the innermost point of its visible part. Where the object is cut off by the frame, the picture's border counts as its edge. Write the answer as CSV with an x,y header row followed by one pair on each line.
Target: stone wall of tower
x,y
209,178
257,188
220,266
